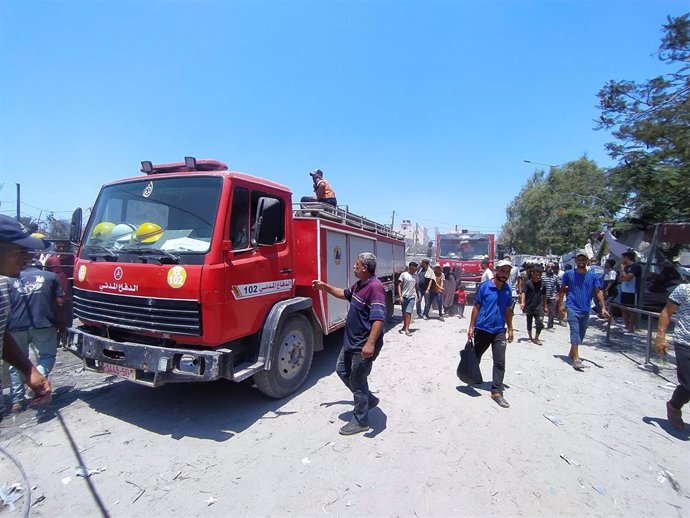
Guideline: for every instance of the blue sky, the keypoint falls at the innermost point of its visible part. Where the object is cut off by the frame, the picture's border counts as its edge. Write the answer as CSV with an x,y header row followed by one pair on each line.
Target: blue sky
x,y
425,108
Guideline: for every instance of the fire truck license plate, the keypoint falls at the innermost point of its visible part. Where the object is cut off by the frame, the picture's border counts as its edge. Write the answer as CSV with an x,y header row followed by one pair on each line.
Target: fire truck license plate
x,y
117,370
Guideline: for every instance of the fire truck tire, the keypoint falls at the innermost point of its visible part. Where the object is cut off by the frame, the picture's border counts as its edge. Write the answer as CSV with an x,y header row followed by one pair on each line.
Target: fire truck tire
x,y
291,357
390,305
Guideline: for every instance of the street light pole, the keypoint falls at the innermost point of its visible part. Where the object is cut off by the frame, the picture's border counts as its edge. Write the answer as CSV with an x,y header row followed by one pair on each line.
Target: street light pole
x,y
540,163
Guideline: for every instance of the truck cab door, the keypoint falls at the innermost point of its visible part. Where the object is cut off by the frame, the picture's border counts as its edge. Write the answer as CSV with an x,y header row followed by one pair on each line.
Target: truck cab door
x,y
259,264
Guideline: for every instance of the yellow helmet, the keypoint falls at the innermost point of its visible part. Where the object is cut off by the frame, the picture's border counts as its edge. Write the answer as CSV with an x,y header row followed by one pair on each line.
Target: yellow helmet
x,y
149,232
102,230
38,235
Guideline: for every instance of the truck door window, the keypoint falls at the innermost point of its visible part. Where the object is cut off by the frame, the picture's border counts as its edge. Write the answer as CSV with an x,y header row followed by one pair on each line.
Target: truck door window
x,y
279,214
239,219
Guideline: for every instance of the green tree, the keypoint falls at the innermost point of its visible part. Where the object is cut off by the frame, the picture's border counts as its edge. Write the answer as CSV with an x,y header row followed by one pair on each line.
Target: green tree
x,y
650,122
556,211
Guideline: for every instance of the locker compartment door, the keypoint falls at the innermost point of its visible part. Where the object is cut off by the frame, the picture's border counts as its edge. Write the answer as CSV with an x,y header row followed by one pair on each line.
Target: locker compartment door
x,y
338,274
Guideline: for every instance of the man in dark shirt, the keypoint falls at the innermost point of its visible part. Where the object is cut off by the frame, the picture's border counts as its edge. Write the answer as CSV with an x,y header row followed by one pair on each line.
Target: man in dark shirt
x,y
533,303
36,318
423,285
363,338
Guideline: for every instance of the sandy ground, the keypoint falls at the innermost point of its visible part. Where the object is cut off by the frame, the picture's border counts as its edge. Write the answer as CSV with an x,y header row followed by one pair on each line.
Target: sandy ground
x,y
436,448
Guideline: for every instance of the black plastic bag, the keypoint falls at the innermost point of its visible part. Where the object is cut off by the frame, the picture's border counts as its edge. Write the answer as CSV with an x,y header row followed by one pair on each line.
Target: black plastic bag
x,y
468,369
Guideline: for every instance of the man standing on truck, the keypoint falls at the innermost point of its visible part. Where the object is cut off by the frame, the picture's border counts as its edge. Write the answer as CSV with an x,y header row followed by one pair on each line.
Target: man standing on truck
x,y
15,243
363,337
324,191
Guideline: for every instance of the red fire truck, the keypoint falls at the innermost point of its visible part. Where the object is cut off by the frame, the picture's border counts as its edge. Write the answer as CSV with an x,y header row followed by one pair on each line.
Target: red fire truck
x,y
195,273
466,250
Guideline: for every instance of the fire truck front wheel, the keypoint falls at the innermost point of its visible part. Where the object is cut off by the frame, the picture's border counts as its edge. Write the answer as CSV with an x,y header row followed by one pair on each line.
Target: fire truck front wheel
x,y
291,357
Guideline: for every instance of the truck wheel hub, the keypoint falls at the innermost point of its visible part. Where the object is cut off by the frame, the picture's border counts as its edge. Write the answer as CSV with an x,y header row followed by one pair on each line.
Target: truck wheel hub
x,y
291,354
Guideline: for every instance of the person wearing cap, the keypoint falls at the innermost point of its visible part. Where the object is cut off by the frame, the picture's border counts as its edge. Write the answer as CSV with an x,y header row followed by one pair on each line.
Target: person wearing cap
x,y
678,304
15,246
491,314
324,191
513,281
581,284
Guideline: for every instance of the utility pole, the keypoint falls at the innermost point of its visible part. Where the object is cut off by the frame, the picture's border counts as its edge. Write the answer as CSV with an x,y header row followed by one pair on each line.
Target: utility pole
x,y
19,195
393,221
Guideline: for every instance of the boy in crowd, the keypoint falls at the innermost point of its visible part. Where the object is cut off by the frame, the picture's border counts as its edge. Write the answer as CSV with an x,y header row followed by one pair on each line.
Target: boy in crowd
x,y
461,300
533,303
408,293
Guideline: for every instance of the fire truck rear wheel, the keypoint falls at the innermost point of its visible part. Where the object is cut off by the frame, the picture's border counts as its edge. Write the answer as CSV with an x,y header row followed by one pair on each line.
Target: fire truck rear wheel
x,y
291,358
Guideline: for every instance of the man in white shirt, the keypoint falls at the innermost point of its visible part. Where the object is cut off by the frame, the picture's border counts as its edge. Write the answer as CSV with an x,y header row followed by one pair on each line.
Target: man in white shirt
x,y
408,293
488,273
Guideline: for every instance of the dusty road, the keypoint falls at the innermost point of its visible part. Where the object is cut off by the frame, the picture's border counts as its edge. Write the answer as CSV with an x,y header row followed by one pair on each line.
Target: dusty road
x,y
437,448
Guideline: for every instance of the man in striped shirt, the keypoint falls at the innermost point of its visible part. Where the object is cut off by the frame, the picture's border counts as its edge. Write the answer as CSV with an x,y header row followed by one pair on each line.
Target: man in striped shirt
x,y
552,284
363,337
15,243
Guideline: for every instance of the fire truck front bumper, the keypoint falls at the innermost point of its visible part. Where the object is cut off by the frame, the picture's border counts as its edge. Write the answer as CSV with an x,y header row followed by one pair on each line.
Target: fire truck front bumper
x,y
148,364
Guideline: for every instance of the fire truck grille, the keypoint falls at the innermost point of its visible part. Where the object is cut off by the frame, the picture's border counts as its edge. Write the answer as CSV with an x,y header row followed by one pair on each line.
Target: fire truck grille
x,y
182,317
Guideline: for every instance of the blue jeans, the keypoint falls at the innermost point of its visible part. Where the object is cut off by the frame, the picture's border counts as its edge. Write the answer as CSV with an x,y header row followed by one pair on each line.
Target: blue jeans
x,y
354,370
438,297
578,323
408,304
44,340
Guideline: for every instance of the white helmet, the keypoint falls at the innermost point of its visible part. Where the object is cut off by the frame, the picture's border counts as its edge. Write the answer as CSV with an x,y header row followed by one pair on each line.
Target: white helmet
x,y
123,232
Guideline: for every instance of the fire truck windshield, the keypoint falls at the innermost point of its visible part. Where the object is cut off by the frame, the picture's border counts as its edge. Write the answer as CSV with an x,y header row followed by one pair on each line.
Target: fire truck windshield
x,y
464,249
166,214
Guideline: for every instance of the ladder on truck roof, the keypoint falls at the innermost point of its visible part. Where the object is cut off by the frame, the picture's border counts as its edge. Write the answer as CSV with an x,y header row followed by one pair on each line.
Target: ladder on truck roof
x,y
340,214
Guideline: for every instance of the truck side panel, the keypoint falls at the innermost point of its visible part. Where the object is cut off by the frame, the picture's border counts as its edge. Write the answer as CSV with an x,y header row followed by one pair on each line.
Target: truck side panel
x,y
338,274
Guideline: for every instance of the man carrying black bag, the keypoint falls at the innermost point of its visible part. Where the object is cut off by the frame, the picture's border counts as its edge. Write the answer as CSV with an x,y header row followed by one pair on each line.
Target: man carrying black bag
x,y
491,313
468,369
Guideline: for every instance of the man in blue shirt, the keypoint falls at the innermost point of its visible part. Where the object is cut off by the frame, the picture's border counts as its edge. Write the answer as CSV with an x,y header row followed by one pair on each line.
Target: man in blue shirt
x,y
581,285
363,338
492,311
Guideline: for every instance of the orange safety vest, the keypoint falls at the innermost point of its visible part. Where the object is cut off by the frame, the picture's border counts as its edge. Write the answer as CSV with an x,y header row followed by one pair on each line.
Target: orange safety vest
x,y
324,190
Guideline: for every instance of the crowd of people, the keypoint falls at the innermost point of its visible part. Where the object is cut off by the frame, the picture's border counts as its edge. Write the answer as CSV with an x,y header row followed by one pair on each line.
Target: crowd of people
x,y
566,298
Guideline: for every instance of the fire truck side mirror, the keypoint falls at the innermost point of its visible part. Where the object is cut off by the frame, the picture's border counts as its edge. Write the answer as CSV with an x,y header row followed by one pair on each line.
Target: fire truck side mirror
x,y
429,251
75,226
